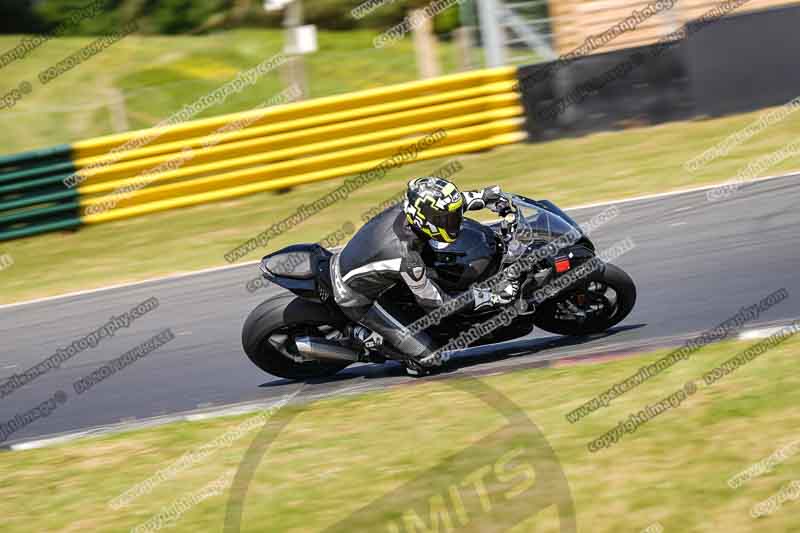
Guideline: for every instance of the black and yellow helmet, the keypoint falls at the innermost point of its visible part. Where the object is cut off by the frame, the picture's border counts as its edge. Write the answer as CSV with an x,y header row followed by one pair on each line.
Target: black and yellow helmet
x,y
435,207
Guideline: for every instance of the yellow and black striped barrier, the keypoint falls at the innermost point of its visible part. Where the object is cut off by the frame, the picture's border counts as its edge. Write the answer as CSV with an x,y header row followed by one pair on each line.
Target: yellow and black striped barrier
x,y
136,173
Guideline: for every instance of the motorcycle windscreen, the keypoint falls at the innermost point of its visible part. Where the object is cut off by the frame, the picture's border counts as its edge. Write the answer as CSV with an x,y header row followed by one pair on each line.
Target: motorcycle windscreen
x,y
540,225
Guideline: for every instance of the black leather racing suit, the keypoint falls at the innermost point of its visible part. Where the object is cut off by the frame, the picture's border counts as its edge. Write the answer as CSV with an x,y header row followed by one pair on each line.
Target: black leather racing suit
x,y
384,252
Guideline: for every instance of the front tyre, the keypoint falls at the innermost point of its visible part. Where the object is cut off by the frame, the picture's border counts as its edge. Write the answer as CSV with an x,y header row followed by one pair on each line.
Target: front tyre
x,y
602,303
268,333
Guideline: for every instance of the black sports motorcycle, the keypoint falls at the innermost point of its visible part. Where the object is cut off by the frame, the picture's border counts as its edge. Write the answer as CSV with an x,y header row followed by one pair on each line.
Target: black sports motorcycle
x,y
303,334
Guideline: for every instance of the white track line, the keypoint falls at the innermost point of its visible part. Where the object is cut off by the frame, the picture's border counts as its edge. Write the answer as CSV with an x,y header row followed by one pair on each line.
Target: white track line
x,y
759,333
251,263
130,284
680,191
120,427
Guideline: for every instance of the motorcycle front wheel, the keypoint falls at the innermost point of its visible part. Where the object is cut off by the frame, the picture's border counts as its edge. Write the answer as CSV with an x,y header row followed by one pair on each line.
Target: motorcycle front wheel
x,y
600,304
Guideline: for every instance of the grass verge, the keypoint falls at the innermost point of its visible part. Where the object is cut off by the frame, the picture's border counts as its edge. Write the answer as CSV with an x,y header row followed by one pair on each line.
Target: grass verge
x,y
338,455
140,81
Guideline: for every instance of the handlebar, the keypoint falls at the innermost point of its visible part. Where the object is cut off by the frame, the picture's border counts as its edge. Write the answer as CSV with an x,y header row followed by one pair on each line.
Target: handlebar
x,y
509,223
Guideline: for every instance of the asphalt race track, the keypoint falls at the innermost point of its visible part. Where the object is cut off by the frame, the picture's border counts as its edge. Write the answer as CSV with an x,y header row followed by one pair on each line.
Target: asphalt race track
x,y
696,263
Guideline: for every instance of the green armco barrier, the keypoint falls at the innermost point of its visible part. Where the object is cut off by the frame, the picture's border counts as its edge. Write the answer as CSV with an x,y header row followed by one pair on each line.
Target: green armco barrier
x,y
57,180
26,201
33,197
62,151
36,229
45,170
40,212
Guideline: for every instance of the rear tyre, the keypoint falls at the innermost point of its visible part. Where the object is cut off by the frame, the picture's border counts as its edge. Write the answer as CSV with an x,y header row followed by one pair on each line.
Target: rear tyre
x,y
286,316
608,299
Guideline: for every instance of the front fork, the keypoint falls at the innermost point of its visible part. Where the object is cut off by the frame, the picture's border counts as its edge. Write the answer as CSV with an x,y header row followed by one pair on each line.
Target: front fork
x,y
547,274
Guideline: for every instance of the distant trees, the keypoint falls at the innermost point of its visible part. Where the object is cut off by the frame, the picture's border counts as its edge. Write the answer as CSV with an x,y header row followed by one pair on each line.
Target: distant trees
x,y
187,16
16,16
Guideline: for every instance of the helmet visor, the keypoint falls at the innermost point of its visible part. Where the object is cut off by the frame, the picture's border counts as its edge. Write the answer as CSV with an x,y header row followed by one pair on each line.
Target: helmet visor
x,y
449,222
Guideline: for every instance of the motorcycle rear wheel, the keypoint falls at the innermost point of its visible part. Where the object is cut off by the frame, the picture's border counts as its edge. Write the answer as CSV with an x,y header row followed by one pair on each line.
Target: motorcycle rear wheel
x,y
287,315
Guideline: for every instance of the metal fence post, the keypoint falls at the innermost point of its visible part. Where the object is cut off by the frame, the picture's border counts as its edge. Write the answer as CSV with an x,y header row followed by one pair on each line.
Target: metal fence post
x,y
489,13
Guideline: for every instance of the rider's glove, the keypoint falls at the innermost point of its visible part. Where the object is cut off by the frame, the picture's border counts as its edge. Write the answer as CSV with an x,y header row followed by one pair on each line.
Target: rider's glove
x,y
490,197
492,194
495,200
503,206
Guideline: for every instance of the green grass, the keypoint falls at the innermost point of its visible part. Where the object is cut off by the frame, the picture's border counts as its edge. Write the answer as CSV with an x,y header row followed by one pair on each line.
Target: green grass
x,y
338,455
156,76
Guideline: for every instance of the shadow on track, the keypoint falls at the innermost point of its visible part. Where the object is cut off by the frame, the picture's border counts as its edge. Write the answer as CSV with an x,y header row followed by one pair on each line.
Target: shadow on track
x,y
478,355
493,353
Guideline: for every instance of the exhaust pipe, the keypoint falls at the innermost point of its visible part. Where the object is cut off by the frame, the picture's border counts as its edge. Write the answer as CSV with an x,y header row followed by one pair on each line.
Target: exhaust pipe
x,y
317,348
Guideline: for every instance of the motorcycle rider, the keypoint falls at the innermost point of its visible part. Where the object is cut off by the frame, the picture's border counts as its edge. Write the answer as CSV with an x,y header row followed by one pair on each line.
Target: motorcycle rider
x,y
387,251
